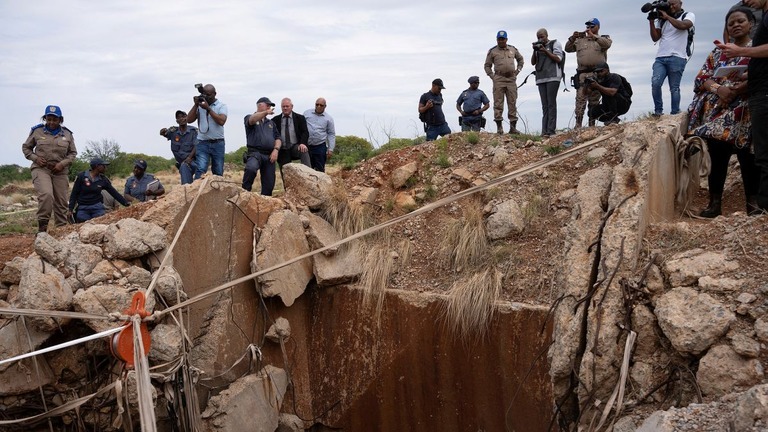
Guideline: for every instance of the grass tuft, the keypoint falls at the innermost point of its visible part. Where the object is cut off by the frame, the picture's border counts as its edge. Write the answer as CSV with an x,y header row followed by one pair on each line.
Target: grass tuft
x,y
347,217
471,301
473,137
464,243
380,263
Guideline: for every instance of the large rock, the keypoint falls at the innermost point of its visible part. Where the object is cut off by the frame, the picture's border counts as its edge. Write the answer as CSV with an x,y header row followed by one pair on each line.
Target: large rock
x,y
751,412
92,233
82,259
691,320
131,238
104,271
166,343
251,403
505,221
50,249
685,268
405,201
344,267
721,370
104,299
11,273
26,377
320,233
42,286
14,338
307,185
281,329
401,174
170,286
281,240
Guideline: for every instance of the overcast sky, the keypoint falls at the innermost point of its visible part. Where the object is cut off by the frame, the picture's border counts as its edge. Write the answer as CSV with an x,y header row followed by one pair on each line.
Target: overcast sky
x,y
119,69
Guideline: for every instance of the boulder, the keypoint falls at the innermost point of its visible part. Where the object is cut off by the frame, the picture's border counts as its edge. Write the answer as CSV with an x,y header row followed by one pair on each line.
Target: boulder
x,y
251,403
463,175
307,185
744,345
43,287
367,195
282,239
50,249
137,277
131,238
320,233
104,299
170,286
400,175
166,343
691,320
724,284
751,411
82,259
505,220
11,274
685,268
105,270
500,157
344,267
26,376
92,233
721,370
14,339
405,201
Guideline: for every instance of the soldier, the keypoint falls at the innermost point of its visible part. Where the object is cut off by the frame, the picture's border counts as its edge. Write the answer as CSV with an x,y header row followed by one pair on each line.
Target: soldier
x,y
502,64
51,148
590,49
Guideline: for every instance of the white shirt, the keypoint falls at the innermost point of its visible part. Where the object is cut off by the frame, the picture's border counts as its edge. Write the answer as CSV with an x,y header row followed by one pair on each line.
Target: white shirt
x,y
673,41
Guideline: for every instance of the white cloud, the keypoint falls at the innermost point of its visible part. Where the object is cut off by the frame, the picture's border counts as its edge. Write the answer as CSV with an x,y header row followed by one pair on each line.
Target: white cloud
x,y
120,69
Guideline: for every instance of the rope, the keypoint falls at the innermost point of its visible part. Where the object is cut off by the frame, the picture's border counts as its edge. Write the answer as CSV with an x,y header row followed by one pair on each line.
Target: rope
x,y
58,410
143,383
63,345
17,212
54,314
439,203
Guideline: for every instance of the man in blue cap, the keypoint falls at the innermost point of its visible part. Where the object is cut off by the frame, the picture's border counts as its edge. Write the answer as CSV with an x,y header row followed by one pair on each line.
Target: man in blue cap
x,y
51,148
503,63
142,186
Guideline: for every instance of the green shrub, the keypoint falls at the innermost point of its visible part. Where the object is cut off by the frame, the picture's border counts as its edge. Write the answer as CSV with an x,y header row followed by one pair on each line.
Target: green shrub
x,y
14,173
473,137
350,150
235,157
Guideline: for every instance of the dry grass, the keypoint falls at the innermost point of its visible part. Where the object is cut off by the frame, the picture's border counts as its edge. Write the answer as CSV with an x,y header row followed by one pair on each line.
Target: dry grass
x,y
380,263
470,304
347,217
464,244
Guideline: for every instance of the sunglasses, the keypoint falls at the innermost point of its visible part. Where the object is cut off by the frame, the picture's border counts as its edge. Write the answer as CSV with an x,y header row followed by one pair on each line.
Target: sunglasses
x,y
319,104
591,26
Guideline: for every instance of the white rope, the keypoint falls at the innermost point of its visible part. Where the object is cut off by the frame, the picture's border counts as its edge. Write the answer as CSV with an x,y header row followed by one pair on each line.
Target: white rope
x,y
618,391
63,345
143,383
52,314
58,410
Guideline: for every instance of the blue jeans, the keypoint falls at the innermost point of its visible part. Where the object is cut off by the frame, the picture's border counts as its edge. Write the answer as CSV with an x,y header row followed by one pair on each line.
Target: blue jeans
x,y
88,212
670,67
259,162
212,150
318,155
187,171
434,131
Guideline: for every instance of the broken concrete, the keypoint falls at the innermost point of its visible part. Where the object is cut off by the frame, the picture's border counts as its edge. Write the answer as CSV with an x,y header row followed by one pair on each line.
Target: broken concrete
x,y
302,183
130,238
43,287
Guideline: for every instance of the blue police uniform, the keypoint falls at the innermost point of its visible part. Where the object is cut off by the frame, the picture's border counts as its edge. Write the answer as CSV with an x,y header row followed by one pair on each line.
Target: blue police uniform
x,y
137,187
260,142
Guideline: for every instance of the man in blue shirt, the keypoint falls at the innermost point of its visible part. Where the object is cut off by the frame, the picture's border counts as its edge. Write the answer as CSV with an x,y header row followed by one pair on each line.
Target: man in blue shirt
x,y
263,143
211,114
142,185
431,111
472,103
183,139
322,135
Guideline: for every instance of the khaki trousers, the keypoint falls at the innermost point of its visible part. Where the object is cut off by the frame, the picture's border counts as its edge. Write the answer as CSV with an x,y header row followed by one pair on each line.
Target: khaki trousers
x,y
503,86
52,195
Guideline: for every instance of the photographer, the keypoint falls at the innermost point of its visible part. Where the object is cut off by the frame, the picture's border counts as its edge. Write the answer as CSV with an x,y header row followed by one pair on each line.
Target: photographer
x,y
615,97
546,58
591,48
211,115
669,25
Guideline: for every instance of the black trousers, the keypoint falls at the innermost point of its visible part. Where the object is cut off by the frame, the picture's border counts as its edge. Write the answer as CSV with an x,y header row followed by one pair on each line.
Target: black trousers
x,y
720,154
610,108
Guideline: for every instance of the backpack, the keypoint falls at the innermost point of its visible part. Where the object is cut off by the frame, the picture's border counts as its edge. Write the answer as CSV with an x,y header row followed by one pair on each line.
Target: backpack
x,y
560,64
626,87
691,32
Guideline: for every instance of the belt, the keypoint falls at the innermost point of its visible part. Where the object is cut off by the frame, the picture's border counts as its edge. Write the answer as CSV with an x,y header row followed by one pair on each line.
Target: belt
x,y
211,140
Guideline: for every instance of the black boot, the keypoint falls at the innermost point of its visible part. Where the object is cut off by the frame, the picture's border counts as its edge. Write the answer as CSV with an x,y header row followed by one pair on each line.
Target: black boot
x,y
42,226
714,208
513,128
499,129
752,208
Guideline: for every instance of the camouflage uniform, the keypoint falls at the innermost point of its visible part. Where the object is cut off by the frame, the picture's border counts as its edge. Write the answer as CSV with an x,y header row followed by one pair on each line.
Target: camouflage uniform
x,y
52,189
502,65
589,52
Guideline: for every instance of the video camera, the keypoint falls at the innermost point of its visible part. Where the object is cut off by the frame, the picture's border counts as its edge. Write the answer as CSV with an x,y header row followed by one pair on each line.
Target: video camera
x,y
538,45
652,9
199,88
589,80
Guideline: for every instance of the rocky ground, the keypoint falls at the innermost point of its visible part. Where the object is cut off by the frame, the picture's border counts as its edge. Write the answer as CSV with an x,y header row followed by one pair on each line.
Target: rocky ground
x,y
527,248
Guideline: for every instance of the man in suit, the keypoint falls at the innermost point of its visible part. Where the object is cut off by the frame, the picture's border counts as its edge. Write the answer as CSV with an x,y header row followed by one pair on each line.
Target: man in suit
x,y
294,136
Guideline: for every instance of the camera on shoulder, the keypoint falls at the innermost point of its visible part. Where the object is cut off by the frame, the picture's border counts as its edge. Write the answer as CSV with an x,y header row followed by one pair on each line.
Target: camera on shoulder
x,y
652,9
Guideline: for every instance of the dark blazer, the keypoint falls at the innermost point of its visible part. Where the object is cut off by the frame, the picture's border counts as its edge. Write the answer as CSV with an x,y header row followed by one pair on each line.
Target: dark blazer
x,y
299,123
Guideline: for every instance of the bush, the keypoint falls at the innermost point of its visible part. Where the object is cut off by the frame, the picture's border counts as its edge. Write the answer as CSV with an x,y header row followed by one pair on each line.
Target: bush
x,y
14,173
235,157
350,150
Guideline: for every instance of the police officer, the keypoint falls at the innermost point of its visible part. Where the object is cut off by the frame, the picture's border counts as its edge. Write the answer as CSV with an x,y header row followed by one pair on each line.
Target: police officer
x,y
590,49
503,63
51,148
472,103
183,139
263,144
141,185
431,111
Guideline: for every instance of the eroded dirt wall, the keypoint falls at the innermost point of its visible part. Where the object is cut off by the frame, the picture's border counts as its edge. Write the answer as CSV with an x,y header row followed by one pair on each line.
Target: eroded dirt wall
x,y
409,373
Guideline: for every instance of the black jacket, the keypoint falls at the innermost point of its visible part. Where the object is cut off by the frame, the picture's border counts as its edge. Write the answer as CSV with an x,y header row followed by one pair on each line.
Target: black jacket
x,y
299,123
